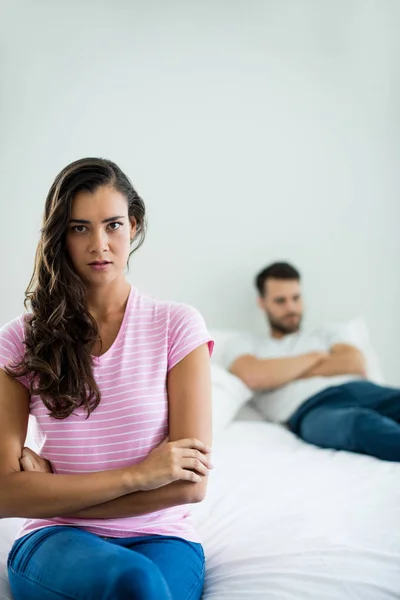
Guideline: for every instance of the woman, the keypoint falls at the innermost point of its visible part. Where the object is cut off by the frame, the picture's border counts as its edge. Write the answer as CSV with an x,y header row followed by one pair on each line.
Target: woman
x,y
107,374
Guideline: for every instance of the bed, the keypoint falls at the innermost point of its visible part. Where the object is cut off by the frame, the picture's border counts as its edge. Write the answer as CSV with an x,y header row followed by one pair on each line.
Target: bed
x,y
283,520
286,521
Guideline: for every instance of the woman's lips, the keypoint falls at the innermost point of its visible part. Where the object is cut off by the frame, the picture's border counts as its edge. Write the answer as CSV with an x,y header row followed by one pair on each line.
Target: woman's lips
x,y
100,266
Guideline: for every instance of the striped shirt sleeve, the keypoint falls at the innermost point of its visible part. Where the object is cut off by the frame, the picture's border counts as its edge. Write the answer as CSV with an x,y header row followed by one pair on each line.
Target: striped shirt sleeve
x,y
12,346
187,331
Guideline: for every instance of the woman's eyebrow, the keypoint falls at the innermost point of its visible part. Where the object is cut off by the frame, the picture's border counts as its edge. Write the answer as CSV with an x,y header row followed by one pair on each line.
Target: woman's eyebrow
x,y
86,222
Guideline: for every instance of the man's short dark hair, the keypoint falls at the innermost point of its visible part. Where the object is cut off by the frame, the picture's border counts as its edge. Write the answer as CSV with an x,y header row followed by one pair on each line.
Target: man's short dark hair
x,y
278,270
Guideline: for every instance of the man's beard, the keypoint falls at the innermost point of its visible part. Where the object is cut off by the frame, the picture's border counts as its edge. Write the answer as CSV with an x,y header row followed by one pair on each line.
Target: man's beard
x,y
282,326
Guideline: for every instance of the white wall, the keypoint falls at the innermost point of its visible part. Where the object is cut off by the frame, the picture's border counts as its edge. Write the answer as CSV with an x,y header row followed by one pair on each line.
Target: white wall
x,y
255,130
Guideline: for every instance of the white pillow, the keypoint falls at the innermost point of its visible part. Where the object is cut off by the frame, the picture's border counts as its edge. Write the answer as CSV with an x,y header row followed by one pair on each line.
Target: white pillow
x,y
229,394
248,412
359,334
221,338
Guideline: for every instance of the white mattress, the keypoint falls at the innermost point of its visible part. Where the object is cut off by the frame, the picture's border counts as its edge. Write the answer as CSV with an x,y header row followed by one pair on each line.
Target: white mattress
x,y
286,521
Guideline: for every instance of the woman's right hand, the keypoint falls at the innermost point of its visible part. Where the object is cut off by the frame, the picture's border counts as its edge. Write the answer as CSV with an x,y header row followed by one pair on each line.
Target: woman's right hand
x,y
182,460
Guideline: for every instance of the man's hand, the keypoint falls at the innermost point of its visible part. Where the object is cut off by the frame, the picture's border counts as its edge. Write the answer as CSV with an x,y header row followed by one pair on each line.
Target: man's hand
x,y
342,360
30,461
354,357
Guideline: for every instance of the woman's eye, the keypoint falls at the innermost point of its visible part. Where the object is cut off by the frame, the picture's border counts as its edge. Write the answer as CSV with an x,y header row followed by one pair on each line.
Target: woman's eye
x,y
115,225
79,228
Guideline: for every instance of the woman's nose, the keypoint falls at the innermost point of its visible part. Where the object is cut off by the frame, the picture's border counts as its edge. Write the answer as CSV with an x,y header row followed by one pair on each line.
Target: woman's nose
x,y
98,241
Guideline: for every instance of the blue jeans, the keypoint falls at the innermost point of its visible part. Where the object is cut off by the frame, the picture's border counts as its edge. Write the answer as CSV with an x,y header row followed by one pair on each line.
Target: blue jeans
x,y
359,417
67,562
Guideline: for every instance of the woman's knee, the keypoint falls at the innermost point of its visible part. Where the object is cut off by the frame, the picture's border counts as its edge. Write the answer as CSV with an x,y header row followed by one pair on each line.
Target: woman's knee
x,y
143,581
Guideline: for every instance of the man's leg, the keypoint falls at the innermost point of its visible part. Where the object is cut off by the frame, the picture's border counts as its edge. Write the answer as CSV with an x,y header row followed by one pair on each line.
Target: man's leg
x,y
383,399
355,429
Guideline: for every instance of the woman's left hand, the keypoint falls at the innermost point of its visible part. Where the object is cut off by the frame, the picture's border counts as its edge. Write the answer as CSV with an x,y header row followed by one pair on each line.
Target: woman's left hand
x,y
30,461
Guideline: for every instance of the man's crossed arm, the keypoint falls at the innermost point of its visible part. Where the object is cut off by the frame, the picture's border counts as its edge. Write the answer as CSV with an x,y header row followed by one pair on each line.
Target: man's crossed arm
x,y
271,373
343,359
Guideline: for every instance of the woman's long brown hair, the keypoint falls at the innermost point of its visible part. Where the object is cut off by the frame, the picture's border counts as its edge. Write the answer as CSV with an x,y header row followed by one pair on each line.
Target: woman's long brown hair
x,y
59,331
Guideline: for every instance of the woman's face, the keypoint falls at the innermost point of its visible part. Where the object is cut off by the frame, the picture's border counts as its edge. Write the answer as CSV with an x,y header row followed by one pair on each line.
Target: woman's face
x,y
99,235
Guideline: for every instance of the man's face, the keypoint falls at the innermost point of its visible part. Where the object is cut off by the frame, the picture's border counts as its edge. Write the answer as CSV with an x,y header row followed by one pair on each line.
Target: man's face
x,y
283,305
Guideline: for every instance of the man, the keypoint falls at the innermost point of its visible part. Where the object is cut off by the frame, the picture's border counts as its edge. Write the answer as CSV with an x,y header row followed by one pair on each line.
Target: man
x,y
315,383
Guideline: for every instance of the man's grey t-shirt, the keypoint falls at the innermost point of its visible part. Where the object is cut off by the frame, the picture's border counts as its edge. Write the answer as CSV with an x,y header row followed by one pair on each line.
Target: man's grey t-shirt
x,y
278,405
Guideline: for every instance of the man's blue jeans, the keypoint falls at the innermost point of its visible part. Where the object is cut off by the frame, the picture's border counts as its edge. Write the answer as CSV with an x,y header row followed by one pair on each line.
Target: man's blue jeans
x,y
67,562
359,417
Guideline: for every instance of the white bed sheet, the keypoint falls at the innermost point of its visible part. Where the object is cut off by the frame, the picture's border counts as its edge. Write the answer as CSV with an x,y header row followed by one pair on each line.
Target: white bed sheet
x,y
286,521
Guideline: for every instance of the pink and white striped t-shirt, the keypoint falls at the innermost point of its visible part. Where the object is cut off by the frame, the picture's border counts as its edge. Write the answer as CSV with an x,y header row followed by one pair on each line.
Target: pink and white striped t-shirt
x,y
132,417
